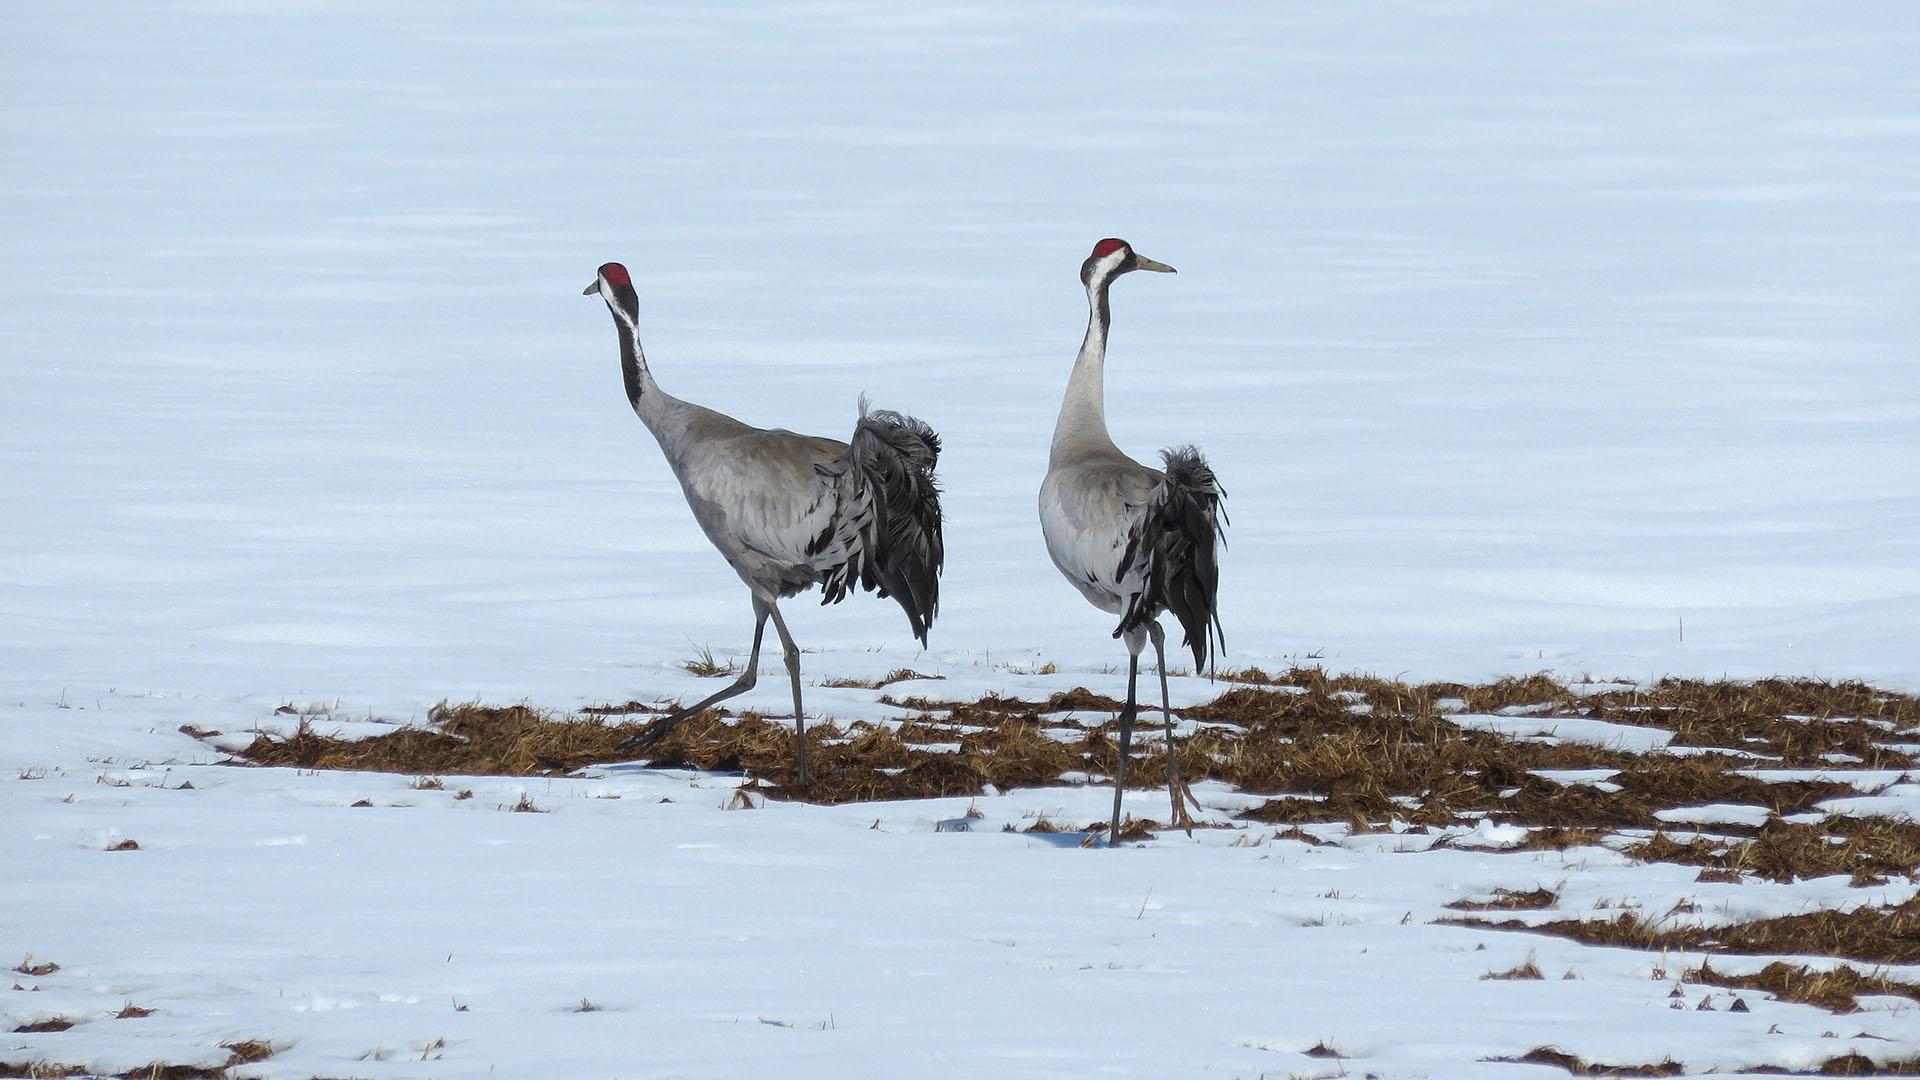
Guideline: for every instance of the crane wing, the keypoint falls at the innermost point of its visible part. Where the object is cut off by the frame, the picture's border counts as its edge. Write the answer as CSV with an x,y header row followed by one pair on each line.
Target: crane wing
x,y
756,492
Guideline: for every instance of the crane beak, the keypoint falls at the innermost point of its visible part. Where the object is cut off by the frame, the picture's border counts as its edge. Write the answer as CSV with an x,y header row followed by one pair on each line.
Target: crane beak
x,y
1141,262
591,289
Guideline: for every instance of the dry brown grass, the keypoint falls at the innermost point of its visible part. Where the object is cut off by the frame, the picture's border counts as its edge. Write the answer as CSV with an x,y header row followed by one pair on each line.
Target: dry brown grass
x,y
244,1052
247,1051
26,966
1836,989
1866,849
1525,970
706,667
897,675
51,1023
41,1070
1548,1055
1855,1064
130,1011
1883,935
1510,900
1365,750
463,739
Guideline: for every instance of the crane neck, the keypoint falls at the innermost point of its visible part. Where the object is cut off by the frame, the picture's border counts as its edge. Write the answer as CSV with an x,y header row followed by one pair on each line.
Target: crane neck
x,y
1083,413
642,392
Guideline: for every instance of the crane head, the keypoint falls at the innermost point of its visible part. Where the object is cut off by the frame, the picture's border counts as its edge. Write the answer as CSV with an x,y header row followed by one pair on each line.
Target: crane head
x,y
1112,257
609,274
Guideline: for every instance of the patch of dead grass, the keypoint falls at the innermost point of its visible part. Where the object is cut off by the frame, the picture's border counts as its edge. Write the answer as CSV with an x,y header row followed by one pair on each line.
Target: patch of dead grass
x,y
26,966
1549,1055
248,1051
461,739
1836,989
1868,850
1525,970
1511,900
41,1070
1857,1064
1365,750
897,675
703,665
1881,935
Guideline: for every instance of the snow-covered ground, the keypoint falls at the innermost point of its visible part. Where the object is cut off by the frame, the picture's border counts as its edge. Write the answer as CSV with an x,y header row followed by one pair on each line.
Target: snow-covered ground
x,y
1521,338
646,923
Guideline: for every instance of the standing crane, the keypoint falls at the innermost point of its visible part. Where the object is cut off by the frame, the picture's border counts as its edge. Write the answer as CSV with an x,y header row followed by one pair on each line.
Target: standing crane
x,y
792,511
1135,541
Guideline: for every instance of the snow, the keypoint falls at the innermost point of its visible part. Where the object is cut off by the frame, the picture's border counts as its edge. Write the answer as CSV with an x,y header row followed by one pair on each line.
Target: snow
x,y
798,940
1716,814
1632,738
1521,339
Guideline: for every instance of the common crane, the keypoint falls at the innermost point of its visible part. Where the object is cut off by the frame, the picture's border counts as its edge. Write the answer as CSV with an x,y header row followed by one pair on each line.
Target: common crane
x,y
1135,541
791,511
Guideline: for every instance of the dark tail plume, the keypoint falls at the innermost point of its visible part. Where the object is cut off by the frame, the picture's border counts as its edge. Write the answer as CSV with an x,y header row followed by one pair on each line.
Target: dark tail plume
x,y
900,551
1173,554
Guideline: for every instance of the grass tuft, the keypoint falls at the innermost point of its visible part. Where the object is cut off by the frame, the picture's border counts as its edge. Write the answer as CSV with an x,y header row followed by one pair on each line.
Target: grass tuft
x,y
1524,970
1510,900
27,967
897,675
1549,1055
705,666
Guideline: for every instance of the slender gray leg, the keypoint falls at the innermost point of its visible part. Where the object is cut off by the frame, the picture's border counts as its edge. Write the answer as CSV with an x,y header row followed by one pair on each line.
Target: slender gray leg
x,y
793,674
1175,789
1126,740
650,735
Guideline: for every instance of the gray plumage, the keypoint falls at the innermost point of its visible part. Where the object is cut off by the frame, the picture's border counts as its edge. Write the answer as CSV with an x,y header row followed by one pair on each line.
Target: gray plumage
x,y
790,511
1135,541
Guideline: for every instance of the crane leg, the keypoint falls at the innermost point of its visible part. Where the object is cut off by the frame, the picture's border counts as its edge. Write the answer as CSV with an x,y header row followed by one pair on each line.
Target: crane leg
x,y
1126,740
793,674
1176,788
648,737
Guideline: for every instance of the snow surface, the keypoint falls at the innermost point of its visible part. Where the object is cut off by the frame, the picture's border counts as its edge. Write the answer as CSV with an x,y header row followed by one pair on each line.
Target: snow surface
x,y
1522,338
425,935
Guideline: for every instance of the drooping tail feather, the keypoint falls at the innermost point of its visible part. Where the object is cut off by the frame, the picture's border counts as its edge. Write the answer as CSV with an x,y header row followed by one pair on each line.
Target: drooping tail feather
x,y
1171,555
890,517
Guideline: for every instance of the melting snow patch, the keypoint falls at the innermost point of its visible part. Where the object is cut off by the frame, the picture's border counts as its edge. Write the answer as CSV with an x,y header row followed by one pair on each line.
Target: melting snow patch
x,y
1487,834
1573,729
1715,814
